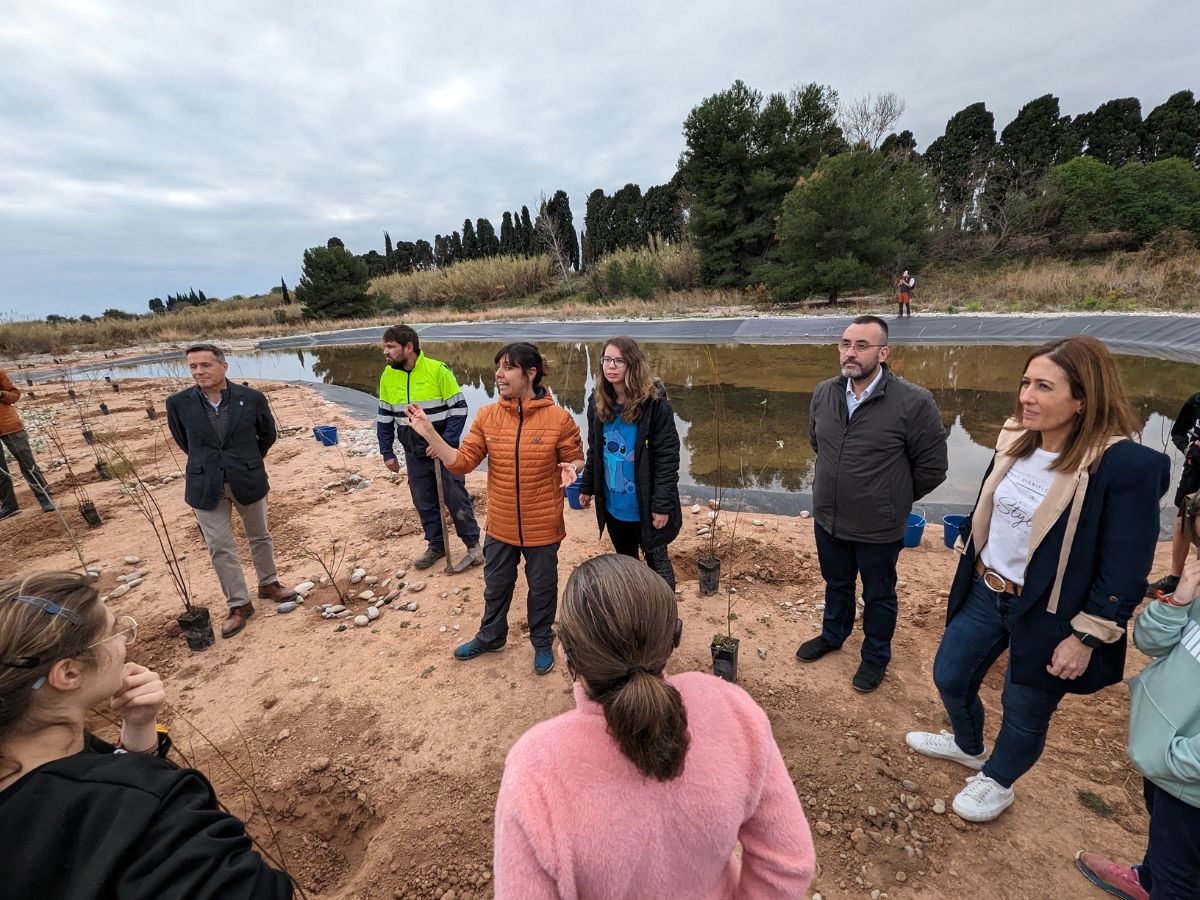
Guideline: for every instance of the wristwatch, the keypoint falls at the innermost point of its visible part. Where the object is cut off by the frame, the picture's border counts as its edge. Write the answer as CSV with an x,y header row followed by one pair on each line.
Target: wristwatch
x,y
1088,640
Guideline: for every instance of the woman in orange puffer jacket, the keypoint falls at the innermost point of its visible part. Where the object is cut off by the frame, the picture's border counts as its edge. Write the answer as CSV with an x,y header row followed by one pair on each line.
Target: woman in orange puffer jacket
x,y
534,451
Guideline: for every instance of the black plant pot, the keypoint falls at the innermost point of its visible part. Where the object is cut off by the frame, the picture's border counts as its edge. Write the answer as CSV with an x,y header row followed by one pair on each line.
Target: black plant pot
x,y
71,393
151,412
108,378
29,395
91,515
89,436
116,388
104,409
197,628
103,470
725,657
708,569
29,381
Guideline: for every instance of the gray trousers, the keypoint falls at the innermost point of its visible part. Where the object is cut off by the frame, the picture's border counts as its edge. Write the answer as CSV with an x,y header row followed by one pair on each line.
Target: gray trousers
x,y
217,526
499,580
18,445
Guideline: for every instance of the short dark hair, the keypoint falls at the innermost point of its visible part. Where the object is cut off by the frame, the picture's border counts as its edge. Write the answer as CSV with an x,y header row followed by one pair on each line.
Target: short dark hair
x,y
872,320
401,334
210,348
524,355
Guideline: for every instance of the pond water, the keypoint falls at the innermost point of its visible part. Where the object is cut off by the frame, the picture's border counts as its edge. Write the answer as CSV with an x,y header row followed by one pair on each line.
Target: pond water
x,y
765,392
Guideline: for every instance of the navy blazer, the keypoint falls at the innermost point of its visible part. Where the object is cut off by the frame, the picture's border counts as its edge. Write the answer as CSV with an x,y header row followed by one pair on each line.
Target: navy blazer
x,y
238,459
1105,575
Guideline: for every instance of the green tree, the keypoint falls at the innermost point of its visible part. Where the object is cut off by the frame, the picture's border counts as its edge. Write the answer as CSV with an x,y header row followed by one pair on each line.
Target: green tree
x,y
1113,133
456,247
157,307
1079,198
662,215
335,242
376,264
597,223
1173,129
902,144
470,243
287,298
860,216
441,251
1152,197
960,159
485,234
1038,139
557,213
118,314
625,218
742,156
526,232
334,284
387,249
423,254
508,235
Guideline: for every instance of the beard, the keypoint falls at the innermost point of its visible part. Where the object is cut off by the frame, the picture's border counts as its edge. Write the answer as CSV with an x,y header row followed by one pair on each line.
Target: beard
x,y
396,364
864,372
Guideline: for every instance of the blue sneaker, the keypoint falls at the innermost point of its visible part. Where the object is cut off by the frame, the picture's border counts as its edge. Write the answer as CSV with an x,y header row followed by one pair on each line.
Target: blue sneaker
x,y
543,660
473,648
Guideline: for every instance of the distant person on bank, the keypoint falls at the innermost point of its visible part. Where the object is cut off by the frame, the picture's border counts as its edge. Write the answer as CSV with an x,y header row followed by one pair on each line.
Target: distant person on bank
x,y
633,458
81,819
1054,562
649,787
1185,435
226,430
414,378
905,287
533,451
13,436
880,446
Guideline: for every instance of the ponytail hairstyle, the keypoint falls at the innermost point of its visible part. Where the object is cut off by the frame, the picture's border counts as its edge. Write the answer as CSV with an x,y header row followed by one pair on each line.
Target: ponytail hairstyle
x,y
58,615
639,383
618,623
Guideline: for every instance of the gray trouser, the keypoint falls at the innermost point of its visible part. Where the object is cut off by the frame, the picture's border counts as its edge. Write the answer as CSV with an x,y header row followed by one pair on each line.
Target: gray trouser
x,y
18,445
217,526
499,580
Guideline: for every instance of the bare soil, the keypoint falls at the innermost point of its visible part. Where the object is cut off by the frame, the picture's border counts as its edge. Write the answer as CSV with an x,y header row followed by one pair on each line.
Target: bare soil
x,y
371,759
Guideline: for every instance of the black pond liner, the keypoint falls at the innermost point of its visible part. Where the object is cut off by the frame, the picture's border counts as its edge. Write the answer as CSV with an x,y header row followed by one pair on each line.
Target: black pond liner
x,y
725,657
90,514
197,628
709,572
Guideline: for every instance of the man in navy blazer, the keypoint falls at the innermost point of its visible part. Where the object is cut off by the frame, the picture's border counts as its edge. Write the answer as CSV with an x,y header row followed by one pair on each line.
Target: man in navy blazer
x,y
226,429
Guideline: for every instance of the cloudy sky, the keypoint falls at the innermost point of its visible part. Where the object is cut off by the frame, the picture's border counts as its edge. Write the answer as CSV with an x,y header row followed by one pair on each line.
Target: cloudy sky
x,y
149,148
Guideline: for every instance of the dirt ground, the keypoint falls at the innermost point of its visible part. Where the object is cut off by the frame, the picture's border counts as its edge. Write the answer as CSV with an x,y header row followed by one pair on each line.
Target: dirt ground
x,y
371,759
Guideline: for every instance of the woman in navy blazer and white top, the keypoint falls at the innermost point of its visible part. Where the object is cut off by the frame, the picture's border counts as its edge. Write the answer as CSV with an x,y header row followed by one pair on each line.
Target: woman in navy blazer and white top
x,y
1054,562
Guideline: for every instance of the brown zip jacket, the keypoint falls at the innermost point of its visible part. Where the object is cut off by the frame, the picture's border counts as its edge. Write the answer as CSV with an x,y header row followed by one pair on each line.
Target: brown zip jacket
x,y
10,422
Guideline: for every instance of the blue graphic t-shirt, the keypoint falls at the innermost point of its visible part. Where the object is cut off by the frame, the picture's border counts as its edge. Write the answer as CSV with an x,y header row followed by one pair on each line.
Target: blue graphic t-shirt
x,y
620,492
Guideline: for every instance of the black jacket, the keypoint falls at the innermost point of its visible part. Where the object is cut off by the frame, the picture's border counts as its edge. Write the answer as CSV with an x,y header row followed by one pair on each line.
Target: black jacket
x,y
238,459
104,826
871,467
1105,576
655,468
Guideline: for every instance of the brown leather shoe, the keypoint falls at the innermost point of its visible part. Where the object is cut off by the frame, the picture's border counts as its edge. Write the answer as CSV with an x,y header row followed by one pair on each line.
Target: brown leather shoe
x,y
236,620
275,591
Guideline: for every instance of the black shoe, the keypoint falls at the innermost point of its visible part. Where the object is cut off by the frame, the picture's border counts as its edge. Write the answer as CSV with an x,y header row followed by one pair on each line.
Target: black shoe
x,y
6,511
868,677
811,651
1165,585
48,506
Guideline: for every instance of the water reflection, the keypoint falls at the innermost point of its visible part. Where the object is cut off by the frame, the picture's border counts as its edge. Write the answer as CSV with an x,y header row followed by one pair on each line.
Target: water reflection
x,y
764,392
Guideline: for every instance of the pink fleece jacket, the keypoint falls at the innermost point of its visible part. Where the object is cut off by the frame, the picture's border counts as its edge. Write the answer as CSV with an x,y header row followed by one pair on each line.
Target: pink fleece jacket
x,y
575,819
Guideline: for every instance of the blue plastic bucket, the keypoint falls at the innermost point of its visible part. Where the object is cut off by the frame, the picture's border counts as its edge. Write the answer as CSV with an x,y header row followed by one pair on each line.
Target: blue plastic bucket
x,y
914,530
326,434
951,526
572,494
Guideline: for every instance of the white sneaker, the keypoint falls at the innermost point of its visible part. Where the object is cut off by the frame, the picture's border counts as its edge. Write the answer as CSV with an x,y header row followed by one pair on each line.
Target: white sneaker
x,y
982,799
942,746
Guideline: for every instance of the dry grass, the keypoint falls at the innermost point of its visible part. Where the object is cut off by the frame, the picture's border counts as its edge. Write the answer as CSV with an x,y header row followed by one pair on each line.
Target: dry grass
x,y
496,279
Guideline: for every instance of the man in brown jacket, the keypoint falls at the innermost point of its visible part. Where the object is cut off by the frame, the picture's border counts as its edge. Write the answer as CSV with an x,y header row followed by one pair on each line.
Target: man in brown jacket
x,y
13,436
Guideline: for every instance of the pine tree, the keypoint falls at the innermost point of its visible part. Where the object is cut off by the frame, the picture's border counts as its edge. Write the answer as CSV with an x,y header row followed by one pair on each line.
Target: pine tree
x,y
334,284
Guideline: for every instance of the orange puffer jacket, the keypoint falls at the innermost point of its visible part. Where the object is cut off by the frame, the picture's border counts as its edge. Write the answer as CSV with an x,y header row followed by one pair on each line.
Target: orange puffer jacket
x,y
10,422
524,442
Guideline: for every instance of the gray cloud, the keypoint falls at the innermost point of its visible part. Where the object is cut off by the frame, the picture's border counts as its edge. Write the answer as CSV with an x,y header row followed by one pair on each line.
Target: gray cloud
x,y
148,149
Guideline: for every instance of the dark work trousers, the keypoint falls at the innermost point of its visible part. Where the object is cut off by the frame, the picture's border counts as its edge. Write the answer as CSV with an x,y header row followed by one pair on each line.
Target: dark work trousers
x,y
499,580
841,564
627,540
1174,873
18,445
422,484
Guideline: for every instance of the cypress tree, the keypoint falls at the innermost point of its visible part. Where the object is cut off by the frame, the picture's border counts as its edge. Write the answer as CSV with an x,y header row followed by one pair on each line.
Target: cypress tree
x,y
1173,129
470,244
387,249
456,247
960,159
1113,133
526,232
287,298
485,234
508,235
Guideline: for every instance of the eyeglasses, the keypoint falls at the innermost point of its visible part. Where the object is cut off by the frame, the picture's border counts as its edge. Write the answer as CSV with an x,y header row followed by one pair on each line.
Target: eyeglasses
x,y
859,346
126,629
612,361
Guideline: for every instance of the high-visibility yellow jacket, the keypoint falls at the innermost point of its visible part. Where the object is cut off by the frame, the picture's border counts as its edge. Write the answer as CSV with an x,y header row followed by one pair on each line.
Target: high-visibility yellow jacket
x,y
431,385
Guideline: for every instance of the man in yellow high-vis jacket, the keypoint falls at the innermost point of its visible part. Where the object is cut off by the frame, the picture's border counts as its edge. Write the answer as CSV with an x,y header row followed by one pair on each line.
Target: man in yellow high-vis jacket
x,y
412,377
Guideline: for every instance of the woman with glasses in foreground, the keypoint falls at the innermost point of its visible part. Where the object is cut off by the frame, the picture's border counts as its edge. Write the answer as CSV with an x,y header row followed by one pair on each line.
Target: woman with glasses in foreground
x,y
80,818
646,787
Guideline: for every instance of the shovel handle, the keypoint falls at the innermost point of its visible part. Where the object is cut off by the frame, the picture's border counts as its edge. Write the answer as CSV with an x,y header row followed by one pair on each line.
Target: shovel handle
x,y
438,471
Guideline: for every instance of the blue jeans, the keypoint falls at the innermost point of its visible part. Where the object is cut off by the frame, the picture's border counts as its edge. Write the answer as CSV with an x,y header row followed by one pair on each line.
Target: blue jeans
x,y
422,484
974,639
1174,842
841,564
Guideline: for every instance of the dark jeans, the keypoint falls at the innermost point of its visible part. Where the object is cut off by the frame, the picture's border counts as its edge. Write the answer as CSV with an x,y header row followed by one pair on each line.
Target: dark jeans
x,y
842,562
422,484
974,639
627,540
1175,842
499,579
18,445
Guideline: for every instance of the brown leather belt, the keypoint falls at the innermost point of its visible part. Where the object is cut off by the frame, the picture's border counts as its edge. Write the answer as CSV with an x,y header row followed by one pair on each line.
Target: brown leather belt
x,y
995,581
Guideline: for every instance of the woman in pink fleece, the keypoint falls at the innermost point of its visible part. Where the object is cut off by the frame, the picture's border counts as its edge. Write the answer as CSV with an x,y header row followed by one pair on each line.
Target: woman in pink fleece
x,y
646,788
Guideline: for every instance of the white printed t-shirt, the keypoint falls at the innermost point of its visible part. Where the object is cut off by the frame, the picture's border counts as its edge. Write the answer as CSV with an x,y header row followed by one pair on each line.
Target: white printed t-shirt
x,y
1017,498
